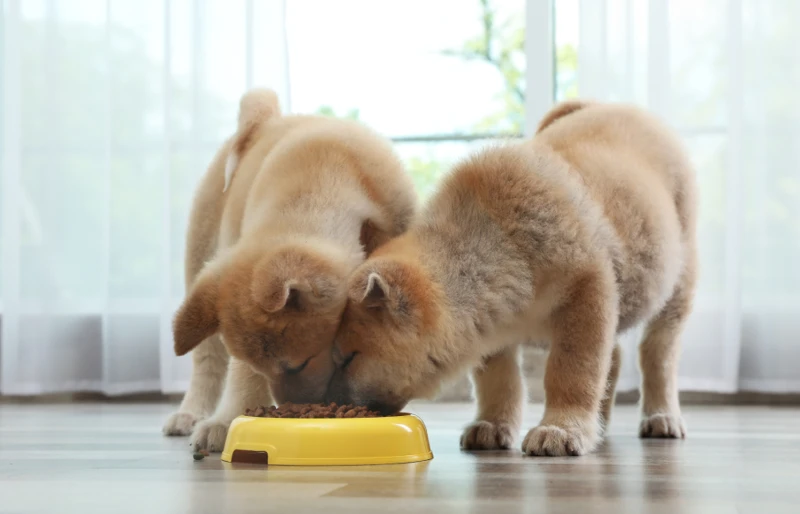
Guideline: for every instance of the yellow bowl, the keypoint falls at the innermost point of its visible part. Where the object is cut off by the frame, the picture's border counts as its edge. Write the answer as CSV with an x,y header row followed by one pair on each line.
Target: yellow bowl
x,y
327,441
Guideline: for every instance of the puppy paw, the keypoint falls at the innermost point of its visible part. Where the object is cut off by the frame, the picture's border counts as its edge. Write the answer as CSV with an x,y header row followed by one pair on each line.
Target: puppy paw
x,y
668,426
555,441
180,423
485,435
210,435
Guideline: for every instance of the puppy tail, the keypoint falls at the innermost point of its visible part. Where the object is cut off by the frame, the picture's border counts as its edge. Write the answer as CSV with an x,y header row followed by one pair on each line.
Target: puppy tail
x,y
255,107
561,110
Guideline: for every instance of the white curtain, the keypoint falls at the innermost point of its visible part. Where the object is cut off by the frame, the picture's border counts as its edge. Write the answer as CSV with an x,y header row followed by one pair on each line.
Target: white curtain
x,y
725,74
111,111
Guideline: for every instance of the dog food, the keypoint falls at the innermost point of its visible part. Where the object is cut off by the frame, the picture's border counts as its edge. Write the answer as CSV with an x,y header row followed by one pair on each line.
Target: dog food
x,y
312,410
200,455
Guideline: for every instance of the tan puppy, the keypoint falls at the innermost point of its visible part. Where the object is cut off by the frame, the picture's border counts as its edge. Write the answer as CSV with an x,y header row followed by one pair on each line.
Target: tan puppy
x,y
568,239
288,208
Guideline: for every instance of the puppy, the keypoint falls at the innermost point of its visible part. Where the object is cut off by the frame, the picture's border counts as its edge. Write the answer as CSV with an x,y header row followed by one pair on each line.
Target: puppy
x,y
570,239
288,208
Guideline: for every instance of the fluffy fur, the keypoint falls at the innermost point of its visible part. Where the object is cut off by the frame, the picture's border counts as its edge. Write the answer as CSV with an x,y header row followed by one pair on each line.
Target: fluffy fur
x,y
568,239
288,208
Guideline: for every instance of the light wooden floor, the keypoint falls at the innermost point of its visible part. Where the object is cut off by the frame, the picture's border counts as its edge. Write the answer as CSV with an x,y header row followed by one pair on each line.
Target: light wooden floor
x,y
110,458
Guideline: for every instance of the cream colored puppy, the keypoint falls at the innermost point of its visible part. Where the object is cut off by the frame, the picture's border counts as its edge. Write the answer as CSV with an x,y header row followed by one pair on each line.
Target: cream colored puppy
x,y
288,208
569,239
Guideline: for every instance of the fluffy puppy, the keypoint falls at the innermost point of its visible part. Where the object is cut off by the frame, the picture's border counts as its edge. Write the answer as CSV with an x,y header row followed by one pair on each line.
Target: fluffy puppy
x,y
288,208
570,239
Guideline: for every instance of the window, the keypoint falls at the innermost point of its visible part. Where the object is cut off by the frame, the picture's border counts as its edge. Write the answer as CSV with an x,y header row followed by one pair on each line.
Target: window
x,y
112,110
440,78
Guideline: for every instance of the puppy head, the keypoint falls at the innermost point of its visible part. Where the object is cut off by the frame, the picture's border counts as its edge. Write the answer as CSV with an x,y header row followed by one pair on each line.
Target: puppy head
x,y
277,311
383,347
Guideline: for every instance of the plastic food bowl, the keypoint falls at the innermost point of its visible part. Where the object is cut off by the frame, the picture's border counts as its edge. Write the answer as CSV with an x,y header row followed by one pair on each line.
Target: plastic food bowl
x,y
398,439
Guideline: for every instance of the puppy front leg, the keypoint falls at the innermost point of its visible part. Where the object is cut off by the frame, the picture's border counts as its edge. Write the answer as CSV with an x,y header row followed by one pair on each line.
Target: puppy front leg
x,y
244,388
576,373
500,394
209,366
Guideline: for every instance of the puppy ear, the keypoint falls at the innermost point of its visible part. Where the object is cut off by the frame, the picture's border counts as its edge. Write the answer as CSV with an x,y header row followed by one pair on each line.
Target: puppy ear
x,y
276,295
197,319
295,279
383,285
376,292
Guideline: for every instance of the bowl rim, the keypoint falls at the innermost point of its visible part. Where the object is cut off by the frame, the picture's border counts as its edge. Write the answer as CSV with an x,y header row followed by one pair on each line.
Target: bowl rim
x,y
393,416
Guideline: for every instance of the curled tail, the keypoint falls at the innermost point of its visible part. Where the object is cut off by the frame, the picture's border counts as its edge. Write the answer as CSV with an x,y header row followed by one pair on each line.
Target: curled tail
x,y
559,111
255,107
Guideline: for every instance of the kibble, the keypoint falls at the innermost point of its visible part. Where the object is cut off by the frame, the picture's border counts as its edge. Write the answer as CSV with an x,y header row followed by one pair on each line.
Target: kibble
x,y
312,410
200,454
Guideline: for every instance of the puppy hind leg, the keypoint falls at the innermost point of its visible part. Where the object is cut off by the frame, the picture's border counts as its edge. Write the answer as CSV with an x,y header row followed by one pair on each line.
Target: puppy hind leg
x,y
611,386
659,354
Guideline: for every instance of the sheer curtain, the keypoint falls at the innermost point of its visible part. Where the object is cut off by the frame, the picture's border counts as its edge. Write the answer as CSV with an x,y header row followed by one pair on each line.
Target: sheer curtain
x,y
725,74
111,112
112,109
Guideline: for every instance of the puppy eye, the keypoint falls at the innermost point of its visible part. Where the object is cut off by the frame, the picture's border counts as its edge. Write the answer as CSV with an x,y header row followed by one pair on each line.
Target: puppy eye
x,y
295,370
348,359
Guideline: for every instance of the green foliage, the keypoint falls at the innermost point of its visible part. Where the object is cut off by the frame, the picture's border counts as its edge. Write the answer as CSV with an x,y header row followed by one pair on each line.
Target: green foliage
x,y
425,172
501,45
327,110
566,72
